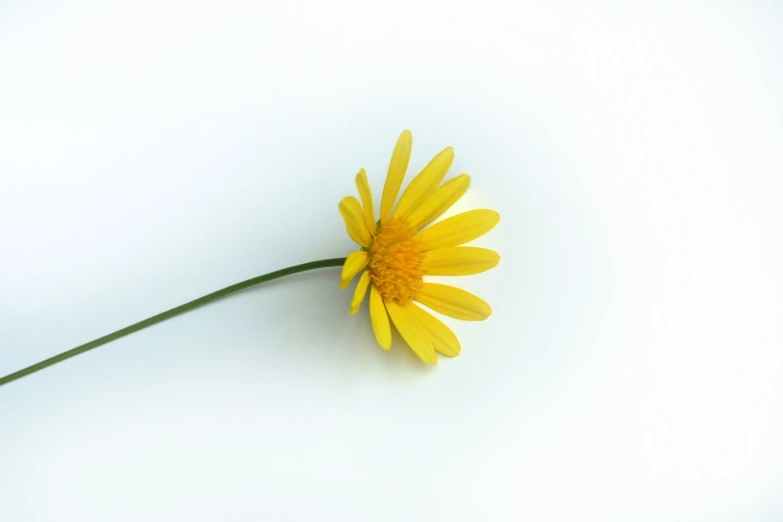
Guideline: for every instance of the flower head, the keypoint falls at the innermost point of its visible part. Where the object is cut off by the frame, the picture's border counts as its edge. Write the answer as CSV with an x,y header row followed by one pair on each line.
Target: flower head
x,y
398,252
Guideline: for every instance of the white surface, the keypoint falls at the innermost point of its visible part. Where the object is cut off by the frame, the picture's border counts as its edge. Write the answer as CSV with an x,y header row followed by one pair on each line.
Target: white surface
x,y
153,152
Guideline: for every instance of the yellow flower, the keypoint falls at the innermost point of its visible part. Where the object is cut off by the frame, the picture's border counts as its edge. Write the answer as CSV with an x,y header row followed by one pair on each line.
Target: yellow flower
x,y
396,253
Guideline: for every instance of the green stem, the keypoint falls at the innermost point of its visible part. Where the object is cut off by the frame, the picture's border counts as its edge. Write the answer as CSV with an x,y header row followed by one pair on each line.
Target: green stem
x,y
181,309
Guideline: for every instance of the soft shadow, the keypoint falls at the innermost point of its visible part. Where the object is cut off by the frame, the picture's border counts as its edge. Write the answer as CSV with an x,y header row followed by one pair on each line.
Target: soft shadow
x,y
321,308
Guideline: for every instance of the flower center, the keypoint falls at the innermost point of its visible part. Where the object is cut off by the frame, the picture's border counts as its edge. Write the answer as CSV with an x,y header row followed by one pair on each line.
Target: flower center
x,y
395,261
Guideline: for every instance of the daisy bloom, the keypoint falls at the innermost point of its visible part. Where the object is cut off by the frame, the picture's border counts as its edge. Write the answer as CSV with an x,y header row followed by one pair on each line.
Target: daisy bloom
x,y
397,252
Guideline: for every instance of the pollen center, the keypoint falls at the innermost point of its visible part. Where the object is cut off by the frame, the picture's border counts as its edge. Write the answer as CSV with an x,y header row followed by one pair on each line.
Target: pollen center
x,y
395,261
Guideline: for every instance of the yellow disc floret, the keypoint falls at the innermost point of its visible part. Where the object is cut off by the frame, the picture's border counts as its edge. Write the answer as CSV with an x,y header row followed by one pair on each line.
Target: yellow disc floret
x,y
395,261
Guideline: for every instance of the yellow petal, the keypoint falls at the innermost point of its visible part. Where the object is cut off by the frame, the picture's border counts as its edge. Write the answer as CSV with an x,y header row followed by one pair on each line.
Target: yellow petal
x,y
453,302
412,330
397,168
354,264
425,183
380,319
443,198
363,186
458,229
360,292
440,335
462,260
354,221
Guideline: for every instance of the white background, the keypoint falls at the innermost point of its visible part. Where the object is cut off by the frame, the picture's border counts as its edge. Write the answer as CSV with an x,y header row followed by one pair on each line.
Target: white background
x,y
152,152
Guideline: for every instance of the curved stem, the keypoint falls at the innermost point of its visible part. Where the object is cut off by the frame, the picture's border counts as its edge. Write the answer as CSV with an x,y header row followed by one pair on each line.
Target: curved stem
x,y
181,309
